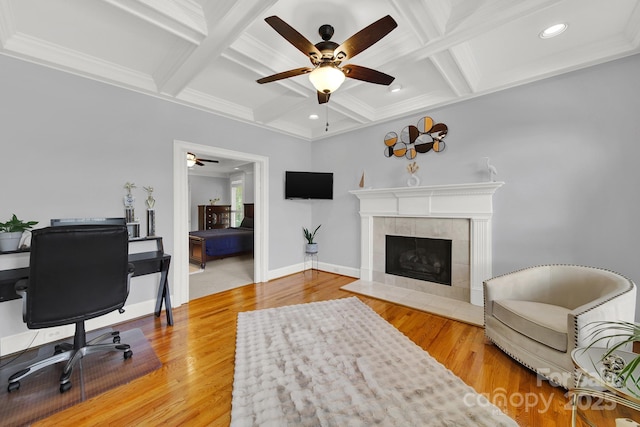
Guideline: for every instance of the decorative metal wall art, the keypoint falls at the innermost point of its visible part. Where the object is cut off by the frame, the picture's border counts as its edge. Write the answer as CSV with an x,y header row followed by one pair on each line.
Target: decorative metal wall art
x,y
424,137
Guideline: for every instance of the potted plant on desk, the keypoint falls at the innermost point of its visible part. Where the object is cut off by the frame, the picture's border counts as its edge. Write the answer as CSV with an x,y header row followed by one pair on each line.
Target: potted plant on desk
x,y
312,247
11,232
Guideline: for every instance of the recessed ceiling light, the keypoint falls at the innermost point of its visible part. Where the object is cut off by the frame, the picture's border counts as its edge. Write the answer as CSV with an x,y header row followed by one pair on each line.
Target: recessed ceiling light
x,y
396,87
553,30
313,116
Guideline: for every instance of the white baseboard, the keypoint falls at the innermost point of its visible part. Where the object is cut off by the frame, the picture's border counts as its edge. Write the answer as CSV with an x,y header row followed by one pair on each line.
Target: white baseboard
x,y
285,271
322,266
37,337
339,269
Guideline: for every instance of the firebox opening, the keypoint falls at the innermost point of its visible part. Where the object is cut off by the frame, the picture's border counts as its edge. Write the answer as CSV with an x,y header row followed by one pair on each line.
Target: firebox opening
x,y
419,258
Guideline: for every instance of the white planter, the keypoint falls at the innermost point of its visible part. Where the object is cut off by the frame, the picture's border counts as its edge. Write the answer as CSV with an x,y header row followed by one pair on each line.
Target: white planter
x,y
312,248
9,241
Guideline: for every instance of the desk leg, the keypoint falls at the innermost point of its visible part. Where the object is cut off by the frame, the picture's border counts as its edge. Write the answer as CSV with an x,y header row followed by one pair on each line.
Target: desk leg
x,y
164,293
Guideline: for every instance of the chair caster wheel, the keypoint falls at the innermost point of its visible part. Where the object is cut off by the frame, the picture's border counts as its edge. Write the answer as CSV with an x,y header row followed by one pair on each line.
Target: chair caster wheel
x,y
116,340
13,386
128,354
65,387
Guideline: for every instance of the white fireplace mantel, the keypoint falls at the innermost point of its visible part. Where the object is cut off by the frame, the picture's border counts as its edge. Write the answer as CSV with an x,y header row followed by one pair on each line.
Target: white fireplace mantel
x,y
473,201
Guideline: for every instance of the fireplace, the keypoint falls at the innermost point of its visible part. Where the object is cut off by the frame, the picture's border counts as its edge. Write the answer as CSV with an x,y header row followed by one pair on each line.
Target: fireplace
x,y
450,211
420,258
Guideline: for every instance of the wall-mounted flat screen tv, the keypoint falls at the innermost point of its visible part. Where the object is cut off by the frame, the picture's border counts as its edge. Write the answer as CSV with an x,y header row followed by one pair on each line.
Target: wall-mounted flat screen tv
x,y
308,185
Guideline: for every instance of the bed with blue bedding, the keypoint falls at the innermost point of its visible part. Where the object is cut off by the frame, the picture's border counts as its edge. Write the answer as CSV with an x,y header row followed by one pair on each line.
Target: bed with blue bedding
x,y
207,245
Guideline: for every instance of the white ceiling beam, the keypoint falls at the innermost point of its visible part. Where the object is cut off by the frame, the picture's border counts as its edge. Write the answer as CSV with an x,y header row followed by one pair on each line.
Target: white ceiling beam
x,y
577,58
632,29
183,18
253,54
352,107
222,33
425,23
450,71
466,63
74,62
7,29
225,108
495,17
277,107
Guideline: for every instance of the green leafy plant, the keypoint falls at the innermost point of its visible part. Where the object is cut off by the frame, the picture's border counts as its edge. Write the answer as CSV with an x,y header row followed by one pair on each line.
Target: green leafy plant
x,y
15,225
621,334
309,235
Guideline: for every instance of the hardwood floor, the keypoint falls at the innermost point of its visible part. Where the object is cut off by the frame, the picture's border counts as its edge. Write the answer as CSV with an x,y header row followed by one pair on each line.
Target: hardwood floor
x,y
194,385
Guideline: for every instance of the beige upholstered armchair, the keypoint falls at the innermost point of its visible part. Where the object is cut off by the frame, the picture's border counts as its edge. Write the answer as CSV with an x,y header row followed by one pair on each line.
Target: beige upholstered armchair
x,y
538,315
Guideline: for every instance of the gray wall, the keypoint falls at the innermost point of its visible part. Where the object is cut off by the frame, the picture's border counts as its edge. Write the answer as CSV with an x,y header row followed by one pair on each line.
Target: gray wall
x,y
69,144
567,148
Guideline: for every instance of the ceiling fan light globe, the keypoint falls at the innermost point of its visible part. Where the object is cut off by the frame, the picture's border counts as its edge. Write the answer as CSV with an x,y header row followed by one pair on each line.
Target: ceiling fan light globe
x,y
326,78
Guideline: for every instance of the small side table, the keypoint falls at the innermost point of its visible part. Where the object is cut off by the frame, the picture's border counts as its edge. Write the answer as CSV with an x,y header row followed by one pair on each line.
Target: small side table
x,y
310,256
589,382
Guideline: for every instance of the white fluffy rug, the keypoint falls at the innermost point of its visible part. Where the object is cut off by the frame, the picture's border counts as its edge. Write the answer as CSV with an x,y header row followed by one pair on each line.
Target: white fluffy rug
x,y
337,363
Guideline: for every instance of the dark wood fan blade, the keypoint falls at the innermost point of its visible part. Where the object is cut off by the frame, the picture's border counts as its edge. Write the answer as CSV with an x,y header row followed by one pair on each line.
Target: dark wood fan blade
x,y
367,74
323,97
293,37
199,163
210,161
365,38
285,75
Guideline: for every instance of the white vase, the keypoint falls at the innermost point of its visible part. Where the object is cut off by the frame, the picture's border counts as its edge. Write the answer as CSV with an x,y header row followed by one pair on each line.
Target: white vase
x,y
9,241
413,181
312,248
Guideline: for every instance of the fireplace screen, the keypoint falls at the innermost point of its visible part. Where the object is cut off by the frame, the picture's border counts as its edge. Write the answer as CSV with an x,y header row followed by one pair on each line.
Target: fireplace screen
x,y
419,258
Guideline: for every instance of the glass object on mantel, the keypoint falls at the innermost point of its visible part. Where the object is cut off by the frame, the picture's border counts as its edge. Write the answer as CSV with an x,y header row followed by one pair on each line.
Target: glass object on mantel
x,y
414,180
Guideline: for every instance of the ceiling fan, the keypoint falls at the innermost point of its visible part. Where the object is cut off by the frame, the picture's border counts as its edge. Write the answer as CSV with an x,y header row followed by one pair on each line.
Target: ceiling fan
x,y
326,75
192,160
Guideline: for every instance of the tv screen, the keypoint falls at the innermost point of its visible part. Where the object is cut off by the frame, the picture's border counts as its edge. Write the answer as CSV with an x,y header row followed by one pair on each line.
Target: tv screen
x,y
308,185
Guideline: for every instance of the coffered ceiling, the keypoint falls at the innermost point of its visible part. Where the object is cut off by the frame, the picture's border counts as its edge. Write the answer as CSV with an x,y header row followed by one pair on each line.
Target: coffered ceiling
x,y
208,54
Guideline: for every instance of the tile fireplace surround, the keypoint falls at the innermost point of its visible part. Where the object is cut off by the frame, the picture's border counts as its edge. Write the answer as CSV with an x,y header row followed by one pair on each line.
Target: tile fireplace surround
x,y
404,210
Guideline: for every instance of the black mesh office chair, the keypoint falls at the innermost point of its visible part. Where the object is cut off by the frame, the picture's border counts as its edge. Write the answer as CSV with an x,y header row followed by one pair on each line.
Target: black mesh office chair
x,y
76,273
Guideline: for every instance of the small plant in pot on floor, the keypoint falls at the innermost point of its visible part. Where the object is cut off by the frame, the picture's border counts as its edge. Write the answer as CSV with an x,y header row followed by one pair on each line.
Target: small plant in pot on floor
x,y
312,247
11,232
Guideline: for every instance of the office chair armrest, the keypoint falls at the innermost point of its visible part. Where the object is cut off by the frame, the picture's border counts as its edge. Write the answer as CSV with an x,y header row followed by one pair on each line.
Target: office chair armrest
x,y
21,287
130,270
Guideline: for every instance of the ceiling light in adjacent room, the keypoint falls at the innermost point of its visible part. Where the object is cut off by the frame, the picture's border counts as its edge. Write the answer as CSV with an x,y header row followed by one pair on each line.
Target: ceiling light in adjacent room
x,y
326,78
553,30
191,160
313,117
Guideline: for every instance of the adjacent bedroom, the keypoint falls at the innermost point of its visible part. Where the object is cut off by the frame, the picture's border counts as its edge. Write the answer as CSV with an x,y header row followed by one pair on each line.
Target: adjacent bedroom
x,y
220,224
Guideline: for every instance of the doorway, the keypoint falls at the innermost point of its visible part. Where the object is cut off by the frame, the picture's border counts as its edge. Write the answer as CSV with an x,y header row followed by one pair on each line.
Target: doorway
x,y
221,182
181,213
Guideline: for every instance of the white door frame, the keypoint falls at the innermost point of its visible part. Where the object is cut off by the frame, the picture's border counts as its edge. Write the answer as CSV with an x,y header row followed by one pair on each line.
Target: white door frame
x,y
180,256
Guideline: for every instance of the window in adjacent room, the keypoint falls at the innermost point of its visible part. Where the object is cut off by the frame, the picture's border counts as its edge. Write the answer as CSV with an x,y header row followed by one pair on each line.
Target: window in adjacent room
x,y
237,206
